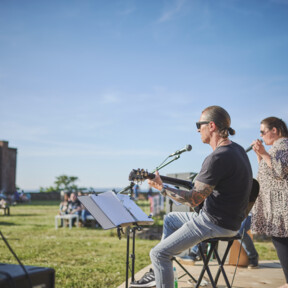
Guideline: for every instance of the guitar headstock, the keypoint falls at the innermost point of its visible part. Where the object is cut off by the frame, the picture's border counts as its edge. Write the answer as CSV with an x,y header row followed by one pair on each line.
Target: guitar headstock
x,y
138,175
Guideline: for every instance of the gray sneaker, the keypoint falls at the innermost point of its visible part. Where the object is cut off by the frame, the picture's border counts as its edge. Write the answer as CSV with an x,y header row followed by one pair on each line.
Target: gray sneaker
x,y
148,280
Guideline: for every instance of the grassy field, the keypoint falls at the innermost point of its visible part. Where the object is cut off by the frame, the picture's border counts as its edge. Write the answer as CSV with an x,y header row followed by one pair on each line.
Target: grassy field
x,y
82,257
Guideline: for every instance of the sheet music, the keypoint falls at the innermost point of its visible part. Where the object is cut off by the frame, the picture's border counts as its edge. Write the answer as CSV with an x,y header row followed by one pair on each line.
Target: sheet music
x,y
112,210
96,212
112,207
132,207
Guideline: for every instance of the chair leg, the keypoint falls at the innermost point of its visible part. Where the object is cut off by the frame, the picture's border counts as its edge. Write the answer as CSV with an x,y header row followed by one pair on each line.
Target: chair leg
x,y
205,264
221,264
186,271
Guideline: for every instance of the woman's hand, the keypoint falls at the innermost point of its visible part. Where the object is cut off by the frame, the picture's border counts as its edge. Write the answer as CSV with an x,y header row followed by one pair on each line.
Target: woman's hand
x,y
259,149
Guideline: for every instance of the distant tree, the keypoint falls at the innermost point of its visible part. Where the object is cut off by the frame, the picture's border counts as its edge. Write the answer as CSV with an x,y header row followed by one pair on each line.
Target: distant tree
x,y
62,182
49,189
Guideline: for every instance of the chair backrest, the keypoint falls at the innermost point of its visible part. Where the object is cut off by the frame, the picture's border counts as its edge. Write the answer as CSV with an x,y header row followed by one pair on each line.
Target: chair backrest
x,y
253,196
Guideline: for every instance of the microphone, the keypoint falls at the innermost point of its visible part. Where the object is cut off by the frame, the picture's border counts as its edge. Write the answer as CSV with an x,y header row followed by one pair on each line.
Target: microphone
x,y
178,152
251,146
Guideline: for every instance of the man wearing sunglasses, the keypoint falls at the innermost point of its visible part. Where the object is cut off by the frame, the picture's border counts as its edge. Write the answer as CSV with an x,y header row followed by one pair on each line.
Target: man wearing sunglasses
x,y
222,186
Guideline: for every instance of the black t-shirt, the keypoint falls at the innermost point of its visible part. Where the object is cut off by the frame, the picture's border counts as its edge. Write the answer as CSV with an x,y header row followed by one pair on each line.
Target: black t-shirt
x,y
229,170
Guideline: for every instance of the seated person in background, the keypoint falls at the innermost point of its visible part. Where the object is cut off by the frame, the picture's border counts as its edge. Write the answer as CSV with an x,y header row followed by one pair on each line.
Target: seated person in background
x,y
84,211
3,203
84,214
63,207
74,206
23,197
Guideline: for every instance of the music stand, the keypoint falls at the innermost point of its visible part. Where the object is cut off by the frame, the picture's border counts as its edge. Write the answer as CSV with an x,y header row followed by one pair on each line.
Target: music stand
x,y
117,211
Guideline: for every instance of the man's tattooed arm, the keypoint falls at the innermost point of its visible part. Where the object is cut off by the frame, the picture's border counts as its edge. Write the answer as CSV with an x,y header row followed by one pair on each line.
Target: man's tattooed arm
x,y
192,197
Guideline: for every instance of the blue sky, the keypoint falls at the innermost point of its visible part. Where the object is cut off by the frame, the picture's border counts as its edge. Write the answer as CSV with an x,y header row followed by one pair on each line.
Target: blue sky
x,y
94,88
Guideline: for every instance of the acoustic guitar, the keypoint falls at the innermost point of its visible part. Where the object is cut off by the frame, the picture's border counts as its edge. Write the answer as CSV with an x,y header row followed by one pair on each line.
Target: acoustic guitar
x,y
139,175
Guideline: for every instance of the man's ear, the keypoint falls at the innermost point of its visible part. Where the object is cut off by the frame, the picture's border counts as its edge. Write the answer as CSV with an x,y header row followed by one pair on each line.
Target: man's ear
x,y
212,126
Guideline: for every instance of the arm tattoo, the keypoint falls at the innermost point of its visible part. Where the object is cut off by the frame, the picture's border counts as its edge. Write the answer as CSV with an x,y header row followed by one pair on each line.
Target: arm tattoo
x,y
192,197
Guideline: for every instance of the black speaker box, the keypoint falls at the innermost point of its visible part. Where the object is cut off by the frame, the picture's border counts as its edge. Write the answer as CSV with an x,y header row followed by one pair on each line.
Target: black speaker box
x,y
13,276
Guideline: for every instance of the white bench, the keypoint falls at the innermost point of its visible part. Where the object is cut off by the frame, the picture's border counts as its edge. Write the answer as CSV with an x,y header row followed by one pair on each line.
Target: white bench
x,y
6,210
69,217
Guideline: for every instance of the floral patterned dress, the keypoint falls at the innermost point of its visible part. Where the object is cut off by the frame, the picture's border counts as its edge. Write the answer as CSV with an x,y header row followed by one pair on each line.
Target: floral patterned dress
x,y
270,211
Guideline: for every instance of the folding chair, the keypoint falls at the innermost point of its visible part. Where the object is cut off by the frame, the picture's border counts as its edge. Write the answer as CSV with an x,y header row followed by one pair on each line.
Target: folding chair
x,y
213,243
212,250
221,261
185,270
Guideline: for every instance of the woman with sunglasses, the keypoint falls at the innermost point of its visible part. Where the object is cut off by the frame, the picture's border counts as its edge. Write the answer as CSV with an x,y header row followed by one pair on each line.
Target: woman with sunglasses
x,y
270,215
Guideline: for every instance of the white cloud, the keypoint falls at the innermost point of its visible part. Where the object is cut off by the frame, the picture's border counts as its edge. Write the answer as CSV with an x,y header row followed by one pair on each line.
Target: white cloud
x,y
171,12
127,11
111,98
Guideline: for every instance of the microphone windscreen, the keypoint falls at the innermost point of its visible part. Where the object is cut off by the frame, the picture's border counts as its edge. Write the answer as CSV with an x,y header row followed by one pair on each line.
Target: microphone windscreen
x,y
188,147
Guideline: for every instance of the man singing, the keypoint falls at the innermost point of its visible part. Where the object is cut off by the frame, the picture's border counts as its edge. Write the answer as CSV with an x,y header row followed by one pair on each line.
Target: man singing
x,y
223,185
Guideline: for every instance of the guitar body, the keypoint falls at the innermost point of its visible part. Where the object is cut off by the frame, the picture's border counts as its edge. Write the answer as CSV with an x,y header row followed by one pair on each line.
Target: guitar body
x,y
253,196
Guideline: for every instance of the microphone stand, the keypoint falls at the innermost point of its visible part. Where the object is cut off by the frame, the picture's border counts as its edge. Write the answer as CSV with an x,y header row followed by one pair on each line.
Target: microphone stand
x,y
129,187
162,165
133,230
165,164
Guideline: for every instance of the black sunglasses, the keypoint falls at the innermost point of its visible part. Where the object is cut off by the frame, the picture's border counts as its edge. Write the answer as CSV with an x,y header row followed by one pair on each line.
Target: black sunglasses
x,y
198,124
264,132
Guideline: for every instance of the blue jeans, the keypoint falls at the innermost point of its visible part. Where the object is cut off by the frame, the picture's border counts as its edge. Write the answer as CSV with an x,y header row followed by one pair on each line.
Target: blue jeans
x,y
247,242
84,214
181,230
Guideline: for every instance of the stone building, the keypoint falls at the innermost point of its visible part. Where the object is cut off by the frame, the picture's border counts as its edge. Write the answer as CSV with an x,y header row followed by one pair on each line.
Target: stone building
x,y
8,158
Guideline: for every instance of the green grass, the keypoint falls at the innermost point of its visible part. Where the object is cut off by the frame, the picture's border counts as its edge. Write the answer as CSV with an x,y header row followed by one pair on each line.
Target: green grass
x,y
266,250
82,257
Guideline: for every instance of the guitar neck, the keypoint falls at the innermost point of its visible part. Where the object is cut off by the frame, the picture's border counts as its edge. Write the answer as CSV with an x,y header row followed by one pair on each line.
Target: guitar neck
x,y
173,181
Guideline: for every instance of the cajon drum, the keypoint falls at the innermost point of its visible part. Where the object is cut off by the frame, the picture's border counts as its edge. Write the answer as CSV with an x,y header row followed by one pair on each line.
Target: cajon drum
x,y
234,252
